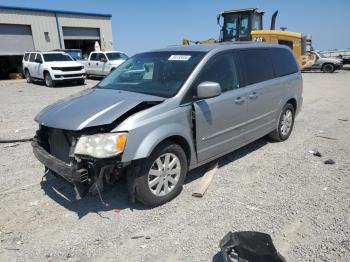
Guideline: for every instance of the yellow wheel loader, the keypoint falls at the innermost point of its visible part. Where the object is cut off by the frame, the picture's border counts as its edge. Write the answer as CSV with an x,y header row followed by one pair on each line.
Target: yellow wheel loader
x,y
247,25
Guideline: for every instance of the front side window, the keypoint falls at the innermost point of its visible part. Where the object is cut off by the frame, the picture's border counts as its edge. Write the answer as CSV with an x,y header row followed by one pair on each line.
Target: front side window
x,y
117,56
93,57
157,73
256,65
32,57
57,57
220,69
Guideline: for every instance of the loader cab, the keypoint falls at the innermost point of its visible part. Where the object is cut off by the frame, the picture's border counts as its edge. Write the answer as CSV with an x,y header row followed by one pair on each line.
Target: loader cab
x,y
238,24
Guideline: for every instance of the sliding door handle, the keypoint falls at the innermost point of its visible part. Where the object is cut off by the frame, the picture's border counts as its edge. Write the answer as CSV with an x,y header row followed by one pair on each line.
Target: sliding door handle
x,y
253,95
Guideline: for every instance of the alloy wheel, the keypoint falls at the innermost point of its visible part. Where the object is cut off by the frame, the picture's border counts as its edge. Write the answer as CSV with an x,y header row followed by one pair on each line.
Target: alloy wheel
x,y
164,174
286,123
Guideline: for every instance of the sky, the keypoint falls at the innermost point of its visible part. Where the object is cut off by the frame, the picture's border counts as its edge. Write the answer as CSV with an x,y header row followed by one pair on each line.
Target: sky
x,y
141,25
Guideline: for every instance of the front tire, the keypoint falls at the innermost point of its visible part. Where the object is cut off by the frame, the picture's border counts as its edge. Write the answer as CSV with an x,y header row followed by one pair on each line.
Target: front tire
x,y
328,68
161,175
48,80
285,124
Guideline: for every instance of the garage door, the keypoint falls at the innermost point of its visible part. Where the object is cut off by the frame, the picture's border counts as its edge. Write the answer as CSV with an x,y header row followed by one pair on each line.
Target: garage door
x,y
15,39
81,33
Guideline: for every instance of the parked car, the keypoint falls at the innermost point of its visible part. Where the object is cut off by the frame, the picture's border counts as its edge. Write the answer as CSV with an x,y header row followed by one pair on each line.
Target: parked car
x,y
345,59
102,63
163,113
325,64
52,67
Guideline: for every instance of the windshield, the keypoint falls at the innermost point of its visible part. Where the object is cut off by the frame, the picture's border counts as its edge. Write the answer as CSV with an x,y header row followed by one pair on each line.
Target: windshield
x,y
117,56
57,57
159,73
76,55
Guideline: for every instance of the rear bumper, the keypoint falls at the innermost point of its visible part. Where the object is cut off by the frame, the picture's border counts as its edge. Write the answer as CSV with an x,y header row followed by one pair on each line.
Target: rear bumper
x,y
68,171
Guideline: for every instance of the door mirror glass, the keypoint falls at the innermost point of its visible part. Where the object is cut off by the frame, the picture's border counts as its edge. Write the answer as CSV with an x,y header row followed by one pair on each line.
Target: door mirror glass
x,y
103,59
208,90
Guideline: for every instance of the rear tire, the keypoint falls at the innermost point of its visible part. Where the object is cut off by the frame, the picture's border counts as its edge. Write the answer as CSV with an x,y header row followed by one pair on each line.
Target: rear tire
x,y
28,77
285,124
48,80
159,178
328,68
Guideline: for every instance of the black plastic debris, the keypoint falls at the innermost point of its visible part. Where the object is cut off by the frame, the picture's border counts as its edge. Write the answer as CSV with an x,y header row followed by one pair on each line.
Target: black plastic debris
x,y
329,162
249,246
315,153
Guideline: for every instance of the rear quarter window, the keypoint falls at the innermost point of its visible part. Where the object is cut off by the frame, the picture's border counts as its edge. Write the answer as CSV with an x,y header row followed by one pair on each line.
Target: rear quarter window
x,y
257,66
283,62
26,56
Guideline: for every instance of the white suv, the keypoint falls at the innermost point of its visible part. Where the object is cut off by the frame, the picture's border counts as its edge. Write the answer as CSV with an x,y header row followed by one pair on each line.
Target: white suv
x,y
52,67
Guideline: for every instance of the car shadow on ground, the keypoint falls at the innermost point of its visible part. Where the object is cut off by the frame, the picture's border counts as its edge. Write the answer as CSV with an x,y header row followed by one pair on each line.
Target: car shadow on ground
x,y
116,196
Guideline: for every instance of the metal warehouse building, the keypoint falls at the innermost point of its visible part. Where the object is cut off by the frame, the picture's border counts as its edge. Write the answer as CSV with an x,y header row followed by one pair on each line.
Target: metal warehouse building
x,y
27,29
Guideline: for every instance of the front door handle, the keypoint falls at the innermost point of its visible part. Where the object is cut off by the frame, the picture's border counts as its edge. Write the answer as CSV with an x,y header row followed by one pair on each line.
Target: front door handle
x,y
239,100
96,63
253,95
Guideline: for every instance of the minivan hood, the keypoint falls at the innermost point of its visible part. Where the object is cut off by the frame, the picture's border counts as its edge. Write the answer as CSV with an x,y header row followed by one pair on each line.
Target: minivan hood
x,y
91,108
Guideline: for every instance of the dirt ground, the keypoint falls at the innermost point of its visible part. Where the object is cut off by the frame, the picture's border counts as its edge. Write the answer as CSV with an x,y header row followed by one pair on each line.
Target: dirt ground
x,y
277,188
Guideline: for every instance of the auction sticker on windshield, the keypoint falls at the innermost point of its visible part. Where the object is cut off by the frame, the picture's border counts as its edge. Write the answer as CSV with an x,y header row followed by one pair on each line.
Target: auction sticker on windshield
x,y
179,57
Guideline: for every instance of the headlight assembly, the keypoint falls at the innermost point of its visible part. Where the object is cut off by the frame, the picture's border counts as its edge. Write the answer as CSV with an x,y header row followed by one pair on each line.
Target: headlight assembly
x,y
101,145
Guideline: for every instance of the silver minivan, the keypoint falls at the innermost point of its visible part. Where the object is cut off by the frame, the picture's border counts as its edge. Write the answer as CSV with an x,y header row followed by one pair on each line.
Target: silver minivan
x,y
165,112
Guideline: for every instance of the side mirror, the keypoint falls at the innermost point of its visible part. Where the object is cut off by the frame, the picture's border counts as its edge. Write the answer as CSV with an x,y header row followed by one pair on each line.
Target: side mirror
x,y
103,60
208,90
38,60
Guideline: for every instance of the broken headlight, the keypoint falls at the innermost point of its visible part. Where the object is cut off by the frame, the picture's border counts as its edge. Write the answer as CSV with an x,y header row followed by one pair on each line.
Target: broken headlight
x,y
101,145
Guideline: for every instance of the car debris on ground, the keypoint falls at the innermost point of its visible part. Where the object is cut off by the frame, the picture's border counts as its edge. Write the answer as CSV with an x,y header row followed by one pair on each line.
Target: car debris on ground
x,y
315,153
329,162
249,246
205,180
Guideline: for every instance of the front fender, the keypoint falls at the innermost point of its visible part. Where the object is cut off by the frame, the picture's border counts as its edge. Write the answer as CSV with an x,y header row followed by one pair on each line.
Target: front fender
x,y
142,149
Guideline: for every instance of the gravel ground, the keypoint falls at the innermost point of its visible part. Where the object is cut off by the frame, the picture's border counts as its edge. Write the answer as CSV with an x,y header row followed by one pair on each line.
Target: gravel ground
x,y
277,188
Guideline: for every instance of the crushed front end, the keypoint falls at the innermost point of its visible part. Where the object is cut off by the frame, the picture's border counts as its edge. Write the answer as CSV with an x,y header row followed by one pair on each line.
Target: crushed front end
x,y
58,151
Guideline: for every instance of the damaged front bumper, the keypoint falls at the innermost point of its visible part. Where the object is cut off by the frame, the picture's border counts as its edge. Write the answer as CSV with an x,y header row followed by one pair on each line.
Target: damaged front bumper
x,y
70,172
86,171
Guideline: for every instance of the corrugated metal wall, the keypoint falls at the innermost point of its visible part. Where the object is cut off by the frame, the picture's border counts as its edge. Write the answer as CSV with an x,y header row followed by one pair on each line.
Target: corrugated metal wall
x,y
15,39
42,22
103,23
